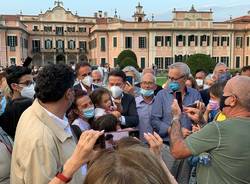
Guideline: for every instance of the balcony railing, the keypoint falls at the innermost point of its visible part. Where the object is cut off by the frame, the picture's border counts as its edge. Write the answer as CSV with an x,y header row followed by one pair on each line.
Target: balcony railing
x,y
83,50
12,48
36,49
60,50
63,50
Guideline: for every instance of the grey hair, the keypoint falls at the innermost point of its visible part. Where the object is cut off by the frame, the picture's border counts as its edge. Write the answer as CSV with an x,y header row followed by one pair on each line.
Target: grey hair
x,y
133,69
154,78
185,70
98,72
209,77
220,64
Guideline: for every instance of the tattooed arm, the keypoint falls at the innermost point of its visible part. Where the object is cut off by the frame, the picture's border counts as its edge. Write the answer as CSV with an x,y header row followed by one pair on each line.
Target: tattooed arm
x,y
178,147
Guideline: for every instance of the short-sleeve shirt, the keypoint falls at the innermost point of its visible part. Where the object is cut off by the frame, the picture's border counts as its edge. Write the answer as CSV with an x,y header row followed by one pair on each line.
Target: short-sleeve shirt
x,y
228,144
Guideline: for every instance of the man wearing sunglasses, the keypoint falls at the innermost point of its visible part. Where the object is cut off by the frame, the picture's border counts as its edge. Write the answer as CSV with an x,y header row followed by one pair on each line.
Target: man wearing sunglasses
x,y
21,84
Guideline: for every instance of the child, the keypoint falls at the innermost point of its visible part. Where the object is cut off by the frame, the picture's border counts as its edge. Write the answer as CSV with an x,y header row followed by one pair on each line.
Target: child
x,y
101,99
213,108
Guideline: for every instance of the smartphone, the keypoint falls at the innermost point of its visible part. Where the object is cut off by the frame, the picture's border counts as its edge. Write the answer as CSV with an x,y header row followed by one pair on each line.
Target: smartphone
x,y
112,137
130,80
194,105
178,97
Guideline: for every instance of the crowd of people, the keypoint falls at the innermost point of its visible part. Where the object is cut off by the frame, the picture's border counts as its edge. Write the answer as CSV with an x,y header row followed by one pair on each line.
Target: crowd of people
x,y
74,124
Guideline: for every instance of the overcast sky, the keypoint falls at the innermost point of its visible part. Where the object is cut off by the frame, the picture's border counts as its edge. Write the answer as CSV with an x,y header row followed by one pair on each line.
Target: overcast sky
x,y
160,8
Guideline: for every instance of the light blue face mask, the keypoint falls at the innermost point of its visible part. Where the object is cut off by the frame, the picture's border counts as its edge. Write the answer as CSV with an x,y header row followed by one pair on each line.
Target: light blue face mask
x,y
145,92
174,86
3,105
89,112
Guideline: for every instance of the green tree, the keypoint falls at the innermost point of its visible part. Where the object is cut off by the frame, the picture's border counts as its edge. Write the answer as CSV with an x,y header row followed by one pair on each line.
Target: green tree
x,y
127,58
200,61
127,54
127,62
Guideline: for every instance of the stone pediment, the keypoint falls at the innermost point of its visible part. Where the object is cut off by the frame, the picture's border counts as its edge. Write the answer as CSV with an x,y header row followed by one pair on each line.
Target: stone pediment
x,y
58,14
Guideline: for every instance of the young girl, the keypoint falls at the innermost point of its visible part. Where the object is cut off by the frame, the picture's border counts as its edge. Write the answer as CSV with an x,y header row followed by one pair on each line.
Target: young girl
x,y
101,99
213,108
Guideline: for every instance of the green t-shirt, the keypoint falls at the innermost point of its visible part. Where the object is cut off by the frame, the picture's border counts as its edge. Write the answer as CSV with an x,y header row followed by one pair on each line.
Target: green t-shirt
x,y
228,144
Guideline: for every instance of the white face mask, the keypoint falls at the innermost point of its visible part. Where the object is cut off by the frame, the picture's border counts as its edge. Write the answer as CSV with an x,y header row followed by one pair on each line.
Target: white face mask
x,y
99,84
206,86
28,91
199,82
88,80
116,91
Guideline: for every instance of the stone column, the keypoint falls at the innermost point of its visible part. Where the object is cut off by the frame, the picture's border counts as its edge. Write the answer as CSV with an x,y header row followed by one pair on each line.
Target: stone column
x,y
55,58
77,58
43,59
66,59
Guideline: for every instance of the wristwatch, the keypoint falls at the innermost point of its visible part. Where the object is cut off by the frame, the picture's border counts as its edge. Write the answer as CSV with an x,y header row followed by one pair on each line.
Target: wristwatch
x,y
61,177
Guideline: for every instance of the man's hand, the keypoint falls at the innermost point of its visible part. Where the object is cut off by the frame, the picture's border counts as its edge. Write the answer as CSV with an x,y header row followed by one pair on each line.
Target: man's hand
x,y
194,114
196,128
155,142
129,88
176,111
82,152
176,133
209,108
185,132
201,106
117,114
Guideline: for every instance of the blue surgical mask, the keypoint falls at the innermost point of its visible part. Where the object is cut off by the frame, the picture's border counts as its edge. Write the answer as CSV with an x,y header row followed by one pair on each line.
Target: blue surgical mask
x,y
89,112
145,92
3,105
224,77
174,86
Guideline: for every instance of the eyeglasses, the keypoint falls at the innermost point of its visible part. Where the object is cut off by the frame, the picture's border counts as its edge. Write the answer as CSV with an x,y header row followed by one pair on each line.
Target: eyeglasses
x,y
175,79
147,83
27,83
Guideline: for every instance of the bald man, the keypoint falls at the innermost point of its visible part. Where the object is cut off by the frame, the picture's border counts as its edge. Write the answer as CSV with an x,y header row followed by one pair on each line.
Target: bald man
x,y
223,147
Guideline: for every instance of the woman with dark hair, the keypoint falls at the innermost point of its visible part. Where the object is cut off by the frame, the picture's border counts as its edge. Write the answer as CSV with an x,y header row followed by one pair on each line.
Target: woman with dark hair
x,y
81,111
108,123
